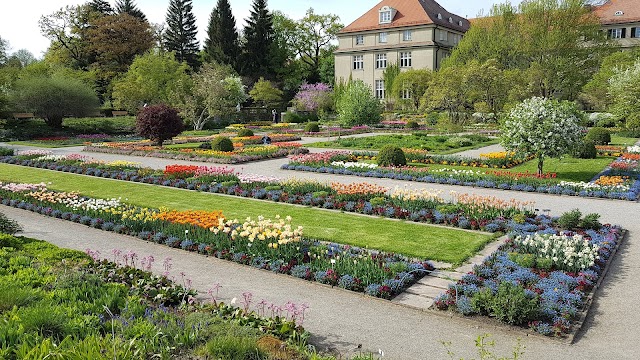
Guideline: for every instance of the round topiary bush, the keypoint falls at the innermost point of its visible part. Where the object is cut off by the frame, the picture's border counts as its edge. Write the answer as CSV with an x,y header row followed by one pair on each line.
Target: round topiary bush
x,y
159,123
585,150
412,124
391,155
222,143
599,135
245,133
312,127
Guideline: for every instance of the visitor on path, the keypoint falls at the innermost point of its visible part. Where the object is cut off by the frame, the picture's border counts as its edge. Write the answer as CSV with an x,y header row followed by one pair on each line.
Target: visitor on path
x,y
274,113
266,140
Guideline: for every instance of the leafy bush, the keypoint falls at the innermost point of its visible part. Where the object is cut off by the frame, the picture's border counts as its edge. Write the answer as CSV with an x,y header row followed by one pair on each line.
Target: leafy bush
x,y
312,127
599,135
391,155
6,151
512,305
358,106
458,142
245,133
159,123
299,117
412,124
570,219
585,150
591,221
222,143
8,226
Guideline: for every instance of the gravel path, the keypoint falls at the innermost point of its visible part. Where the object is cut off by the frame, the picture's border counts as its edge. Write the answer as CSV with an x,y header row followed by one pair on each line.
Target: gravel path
x,y
342,320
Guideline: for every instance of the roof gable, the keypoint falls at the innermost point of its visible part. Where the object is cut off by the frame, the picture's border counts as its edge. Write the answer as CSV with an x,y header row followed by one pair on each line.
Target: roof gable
x,y
618,11
408,13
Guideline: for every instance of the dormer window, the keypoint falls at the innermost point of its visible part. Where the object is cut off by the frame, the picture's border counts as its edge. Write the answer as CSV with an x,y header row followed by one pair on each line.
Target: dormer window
x,y
450,20
618,13
460,23
439,16
386,14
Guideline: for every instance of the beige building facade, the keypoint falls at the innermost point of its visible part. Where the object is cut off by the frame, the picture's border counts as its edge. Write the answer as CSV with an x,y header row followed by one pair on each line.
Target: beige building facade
x,y
621,20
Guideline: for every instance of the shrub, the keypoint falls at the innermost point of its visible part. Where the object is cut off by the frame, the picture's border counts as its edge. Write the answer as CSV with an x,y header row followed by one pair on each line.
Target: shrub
x,y
159,123
391,155
222,143
458,142
591,221
412,124
8,226
511,305
570,219
585,150
6,151
312,127
245,133
358,106
599,135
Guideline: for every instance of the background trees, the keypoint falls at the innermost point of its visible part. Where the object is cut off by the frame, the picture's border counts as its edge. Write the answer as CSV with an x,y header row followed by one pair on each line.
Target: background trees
x,y
357,105
624,90
181,31
222,44
265,94
258,42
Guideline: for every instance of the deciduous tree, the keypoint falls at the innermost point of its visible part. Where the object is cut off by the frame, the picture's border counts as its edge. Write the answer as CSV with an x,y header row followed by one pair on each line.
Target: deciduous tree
x,y
624,90
265,93
411,85
357,105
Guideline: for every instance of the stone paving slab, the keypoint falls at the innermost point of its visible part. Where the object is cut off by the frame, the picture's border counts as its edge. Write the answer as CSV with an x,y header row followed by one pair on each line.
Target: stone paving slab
x,y
434,282
425,290
417,302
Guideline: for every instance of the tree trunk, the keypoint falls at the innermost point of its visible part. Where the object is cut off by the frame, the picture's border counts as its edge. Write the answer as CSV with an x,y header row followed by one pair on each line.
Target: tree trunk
x,y
540,163
54,121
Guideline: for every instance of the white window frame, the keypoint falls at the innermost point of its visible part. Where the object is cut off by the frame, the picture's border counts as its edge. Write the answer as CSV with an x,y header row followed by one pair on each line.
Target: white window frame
x,y
379,89
382,37
381,61
443,35
407,35
406,94
359,39
405,59
635,32
385,17
616,33
358,62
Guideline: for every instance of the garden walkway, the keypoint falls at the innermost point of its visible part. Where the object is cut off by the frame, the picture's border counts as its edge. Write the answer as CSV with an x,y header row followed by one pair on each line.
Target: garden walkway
x,y
342,320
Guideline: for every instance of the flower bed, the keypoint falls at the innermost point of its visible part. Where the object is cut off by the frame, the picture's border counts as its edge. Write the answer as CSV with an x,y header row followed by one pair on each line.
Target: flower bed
x,y
411,205
540,279
274,245
415,156
246,153
329,163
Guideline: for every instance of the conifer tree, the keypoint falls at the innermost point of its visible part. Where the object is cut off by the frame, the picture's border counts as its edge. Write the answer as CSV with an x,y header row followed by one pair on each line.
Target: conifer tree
x,y
101,6
259,36
129,7
181,32
221,44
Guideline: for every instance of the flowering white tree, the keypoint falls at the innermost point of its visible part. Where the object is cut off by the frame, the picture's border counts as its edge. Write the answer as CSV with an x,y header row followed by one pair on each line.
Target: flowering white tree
x,y
624,90
544,127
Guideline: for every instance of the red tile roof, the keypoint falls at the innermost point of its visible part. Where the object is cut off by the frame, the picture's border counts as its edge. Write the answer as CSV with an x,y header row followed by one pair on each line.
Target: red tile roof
x,y
607,12
409,13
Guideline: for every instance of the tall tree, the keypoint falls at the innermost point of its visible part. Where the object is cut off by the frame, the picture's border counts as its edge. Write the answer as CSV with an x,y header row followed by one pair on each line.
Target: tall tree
x,y
259,36
101,6
180,35
222,44
130,7
67,30
4,48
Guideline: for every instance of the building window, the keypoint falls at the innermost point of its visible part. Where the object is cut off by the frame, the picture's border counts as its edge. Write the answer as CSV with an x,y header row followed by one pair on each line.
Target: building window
x,y
635,32
381,61
615,34
405,59
439,16
382,37
618,13
406,94
358,62
385,17
443,35
380,89
451,20
406,35
359,39
460,23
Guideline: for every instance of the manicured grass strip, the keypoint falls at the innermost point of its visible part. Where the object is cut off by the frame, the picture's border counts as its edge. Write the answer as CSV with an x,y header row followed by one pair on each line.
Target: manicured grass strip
x,y
411,239
43,144
568,168
622,141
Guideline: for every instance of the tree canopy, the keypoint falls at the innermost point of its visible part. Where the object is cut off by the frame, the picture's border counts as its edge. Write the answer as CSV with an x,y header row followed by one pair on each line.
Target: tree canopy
x,y
130,7
180,35
222,44
258,42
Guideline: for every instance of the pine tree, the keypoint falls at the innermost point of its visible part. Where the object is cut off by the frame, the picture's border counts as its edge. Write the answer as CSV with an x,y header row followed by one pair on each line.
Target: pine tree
x,y
180,35
259,36
222,44
129,7
101,6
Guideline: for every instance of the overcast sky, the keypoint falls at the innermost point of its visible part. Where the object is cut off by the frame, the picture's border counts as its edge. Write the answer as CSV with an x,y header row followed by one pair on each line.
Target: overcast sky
x,y
19,18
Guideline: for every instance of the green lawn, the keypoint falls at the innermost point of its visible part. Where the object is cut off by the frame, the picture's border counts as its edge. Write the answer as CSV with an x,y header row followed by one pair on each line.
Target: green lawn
x,y
437,144
622,141
43,144
416,240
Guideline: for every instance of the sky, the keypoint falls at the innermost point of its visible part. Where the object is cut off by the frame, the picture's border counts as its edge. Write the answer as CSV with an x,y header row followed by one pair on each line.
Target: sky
x,y
19,18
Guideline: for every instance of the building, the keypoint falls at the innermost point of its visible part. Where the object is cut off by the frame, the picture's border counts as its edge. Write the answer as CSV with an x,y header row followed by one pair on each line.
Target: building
x,y
621,20
411,33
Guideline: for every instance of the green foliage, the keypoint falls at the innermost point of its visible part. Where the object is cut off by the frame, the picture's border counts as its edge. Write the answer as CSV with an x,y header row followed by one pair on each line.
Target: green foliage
x,y
54,97
595,93
153,78
570,219
512,305
221,44
312,127
591,221
624,89
236,344
412,124
159,123
524,260
129,7
485,349
258,45
546,128
245,132
389,77
482,300
297,118
180,33
585,149
8,226
265,93
4,151
599,136
358,106
222,143
391,155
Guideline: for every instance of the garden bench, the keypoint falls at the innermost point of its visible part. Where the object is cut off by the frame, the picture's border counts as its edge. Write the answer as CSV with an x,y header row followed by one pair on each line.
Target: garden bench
x,y
119,113
18,116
